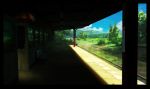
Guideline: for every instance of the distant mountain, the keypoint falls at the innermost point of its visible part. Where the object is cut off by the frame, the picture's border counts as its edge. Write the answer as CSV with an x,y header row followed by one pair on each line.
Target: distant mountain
x,y
92,33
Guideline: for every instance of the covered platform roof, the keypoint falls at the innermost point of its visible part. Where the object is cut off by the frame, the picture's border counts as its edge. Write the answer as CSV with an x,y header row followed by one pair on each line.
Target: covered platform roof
x,y
63,14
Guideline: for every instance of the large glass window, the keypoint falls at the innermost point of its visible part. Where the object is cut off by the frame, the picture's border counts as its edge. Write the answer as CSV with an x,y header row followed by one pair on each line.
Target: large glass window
x,y
142,17
41,36
36,35
30,34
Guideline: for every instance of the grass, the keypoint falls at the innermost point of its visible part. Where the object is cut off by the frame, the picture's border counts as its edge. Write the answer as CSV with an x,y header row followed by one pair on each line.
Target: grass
x,y
88,41
108,52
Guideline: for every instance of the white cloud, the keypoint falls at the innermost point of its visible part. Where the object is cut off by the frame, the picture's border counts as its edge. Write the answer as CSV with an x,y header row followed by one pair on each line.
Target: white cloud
x,y
119,25
97,29
89,27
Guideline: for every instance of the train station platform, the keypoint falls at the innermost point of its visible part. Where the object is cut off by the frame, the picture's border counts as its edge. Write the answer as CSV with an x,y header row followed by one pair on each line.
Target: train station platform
x,y
71,65
102,69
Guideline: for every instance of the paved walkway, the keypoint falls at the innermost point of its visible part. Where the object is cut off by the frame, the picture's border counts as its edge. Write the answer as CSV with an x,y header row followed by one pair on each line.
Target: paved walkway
x,y
103,70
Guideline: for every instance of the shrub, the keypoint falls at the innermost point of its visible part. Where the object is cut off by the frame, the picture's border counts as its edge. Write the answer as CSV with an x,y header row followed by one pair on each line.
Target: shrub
x,y
101,42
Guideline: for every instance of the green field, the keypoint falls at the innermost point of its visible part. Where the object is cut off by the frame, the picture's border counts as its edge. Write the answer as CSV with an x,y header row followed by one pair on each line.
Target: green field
x,y
107,51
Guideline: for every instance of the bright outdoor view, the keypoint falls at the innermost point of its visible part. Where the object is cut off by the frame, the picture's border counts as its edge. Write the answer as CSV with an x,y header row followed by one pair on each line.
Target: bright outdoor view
x,y
100,41
142,41
103,38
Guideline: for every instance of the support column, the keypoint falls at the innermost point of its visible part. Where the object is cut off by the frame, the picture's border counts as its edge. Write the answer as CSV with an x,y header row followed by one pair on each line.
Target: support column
x,y
74,37
23,61
130,22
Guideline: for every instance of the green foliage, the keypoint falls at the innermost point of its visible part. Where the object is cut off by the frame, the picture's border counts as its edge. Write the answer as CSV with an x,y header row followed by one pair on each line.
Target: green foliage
x,y
101,42
109,52
62,35
110,33
59,35
92,34
114,35
67,33
83,35
142,27
98,35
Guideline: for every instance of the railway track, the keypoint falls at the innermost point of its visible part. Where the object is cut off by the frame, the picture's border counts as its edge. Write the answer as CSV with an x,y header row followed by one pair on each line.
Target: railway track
x,y
139,77
142,78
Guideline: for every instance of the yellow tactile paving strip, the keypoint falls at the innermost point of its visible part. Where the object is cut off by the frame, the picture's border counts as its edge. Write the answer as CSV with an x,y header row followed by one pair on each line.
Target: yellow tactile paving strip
x,y
110,74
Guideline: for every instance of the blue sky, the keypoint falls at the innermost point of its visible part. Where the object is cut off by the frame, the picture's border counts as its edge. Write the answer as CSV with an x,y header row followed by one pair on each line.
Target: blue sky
x,y
142,7
110,20
104,24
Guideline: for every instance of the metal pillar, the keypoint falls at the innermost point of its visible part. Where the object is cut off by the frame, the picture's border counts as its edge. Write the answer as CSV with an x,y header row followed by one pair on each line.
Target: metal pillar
x,y
74,37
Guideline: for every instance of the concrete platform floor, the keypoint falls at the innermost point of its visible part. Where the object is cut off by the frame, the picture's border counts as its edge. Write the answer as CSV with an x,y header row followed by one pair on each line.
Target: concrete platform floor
x,y
61,66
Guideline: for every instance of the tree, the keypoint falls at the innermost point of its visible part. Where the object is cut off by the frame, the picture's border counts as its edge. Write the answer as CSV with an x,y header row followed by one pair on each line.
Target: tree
x,y
62,35
110,33
83,35
141,27
67,33
114,35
